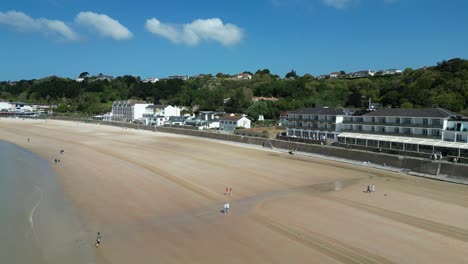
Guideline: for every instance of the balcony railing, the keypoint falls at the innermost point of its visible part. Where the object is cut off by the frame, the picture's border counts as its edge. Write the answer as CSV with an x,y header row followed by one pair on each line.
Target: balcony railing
x,y
392,134
311,120
332,129
392,124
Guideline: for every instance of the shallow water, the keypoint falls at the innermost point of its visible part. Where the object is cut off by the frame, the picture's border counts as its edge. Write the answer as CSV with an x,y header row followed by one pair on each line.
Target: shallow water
x,y
37,224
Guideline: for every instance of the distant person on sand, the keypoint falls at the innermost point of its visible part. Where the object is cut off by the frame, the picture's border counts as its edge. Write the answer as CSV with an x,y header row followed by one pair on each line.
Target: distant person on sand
x,y
227,190
28,139
230,190
373,188
227,208
98,239
368,189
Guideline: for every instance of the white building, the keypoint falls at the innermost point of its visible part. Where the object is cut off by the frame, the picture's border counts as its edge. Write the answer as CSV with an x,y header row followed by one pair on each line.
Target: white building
x,y
6,107
430,130
165,110
21,107
128,110
229,123
151,80
159,114
243,76
318,123
180,77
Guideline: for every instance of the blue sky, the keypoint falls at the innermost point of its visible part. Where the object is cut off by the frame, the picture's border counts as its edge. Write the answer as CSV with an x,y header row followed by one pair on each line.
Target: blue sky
x,y
159,38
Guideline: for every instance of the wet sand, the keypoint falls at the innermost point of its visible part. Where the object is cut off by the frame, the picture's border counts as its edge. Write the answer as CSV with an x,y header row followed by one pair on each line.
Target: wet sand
x,y
156,198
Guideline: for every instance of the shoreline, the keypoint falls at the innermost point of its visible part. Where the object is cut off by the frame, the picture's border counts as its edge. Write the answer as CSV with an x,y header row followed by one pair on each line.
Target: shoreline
x,y
156,197
37,204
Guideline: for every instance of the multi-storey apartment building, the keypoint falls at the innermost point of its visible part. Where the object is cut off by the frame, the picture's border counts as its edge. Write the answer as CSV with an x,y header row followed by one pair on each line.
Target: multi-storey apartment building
x,y
430,130
128,110
427,123
319,123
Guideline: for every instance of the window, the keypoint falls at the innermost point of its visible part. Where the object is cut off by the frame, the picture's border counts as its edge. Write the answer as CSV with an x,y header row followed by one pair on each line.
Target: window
x,y
436,122
425,121
407,131
373,120
436,132
397,130
397,120
382,129
459,137
382,120
424,132
407,121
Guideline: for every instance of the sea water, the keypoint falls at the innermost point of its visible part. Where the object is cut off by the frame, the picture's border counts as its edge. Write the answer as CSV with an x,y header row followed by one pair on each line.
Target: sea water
x,y
37,223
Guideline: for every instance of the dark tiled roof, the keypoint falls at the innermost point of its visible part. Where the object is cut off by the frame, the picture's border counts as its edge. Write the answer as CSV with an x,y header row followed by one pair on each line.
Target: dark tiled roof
x,y
321,111
410,112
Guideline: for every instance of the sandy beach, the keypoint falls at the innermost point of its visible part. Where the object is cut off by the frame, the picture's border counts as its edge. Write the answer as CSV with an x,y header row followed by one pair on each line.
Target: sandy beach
x,y
156,198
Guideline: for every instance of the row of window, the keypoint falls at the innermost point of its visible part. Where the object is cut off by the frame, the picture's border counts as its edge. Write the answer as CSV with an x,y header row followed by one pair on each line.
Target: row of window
x,y
397,130
312,117
227,122
396,120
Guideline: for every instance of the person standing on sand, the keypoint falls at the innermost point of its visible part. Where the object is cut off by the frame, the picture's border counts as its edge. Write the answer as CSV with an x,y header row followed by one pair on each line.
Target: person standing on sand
x,y
227,189
373,188
368,189
227,208
230,190
98,239
224,208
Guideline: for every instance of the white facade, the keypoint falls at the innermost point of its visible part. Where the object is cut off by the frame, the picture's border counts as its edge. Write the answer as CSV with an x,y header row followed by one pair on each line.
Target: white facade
x,y
151,80
230,123
243,76
5,106
456,131
129,110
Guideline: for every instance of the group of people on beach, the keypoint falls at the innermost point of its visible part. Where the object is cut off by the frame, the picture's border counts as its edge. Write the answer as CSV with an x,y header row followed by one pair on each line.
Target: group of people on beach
x,y
370,188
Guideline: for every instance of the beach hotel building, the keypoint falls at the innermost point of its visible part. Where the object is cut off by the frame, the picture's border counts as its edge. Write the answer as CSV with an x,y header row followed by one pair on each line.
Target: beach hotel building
x,y
431,130
318,123
417,132
128,110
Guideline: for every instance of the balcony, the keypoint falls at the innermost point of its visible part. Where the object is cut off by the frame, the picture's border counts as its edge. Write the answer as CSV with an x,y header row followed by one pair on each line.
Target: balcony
x,y
392,134
312,120
392,124
313,128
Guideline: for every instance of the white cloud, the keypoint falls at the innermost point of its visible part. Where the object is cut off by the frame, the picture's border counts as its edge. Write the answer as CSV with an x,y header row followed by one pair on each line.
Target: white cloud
x,y
22,22
198,30
105,25
339,4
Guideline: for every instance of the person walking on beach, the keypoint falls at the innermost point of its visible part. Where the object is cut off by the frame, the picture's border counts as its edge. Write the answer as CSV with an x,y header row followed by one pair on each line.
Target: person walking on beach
x,y
368,189
227,208
227,190
230,190
98,239
373,188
